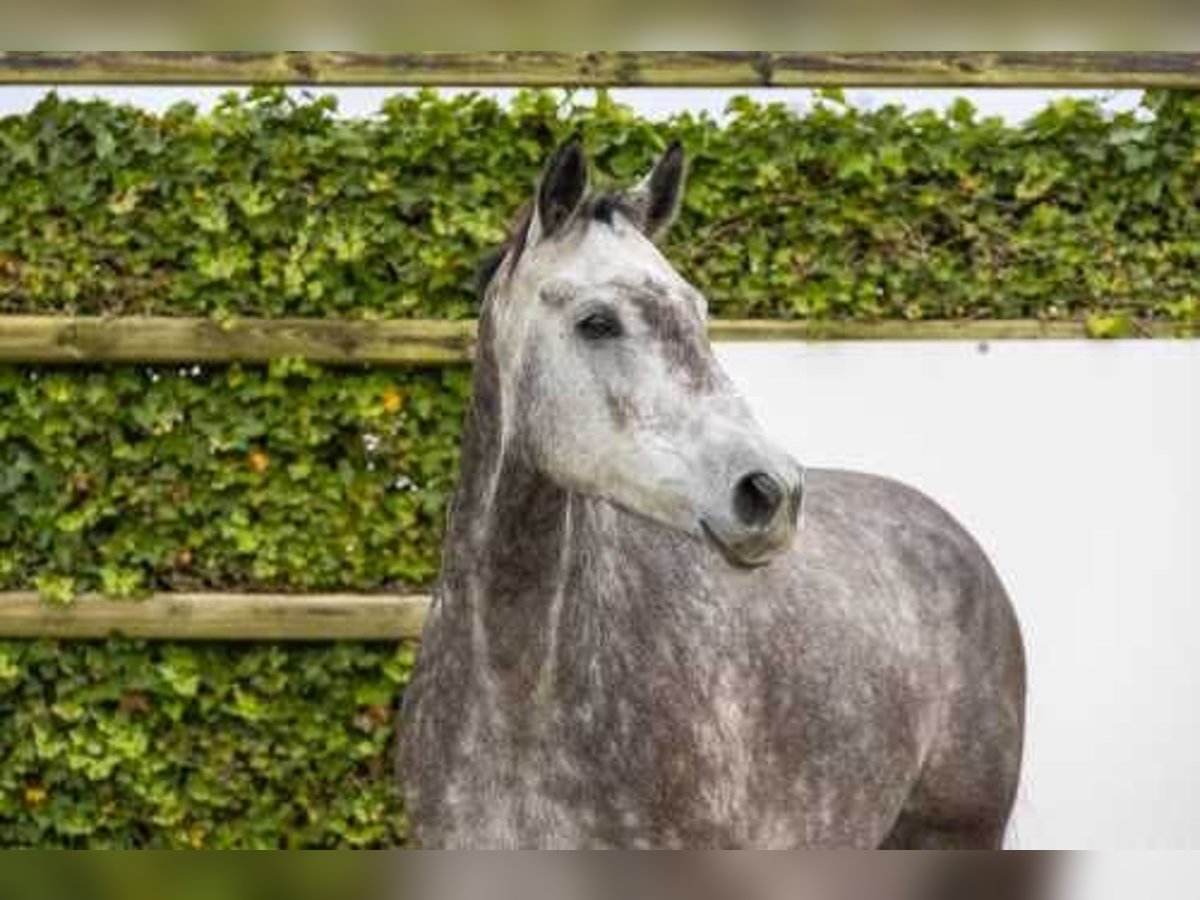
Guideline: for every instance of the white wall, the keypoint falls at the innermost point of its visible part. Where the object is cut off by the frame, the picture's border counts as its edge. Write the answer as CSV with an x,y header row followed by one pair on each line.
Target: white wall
x,y
1131,876
1076,466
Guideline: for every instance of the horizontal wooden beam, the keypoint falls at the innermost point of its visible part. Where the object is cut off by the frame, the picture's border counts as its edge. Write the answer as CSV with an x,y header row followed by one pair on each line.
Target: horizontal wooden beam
x,y
611,68
61,339
422,342
217,617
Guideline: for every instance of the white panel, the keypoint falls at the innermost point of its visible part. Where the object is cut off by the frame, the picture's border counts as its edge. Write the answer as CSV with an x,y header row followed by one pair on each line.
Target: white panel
x,y
1075,464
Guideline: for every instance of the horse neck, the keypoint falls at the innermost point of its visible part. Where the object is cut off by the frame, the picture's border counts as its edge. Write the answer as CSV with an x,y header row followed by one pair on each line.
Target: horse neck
x,y
530,569
507,544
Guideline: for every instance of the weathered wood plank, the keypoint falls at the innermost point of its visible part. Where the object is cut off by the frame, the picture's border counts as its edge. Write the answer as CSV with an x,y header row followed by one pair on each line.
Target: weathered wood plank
x,y
1052,69
56,339
615,68
218,617
421,342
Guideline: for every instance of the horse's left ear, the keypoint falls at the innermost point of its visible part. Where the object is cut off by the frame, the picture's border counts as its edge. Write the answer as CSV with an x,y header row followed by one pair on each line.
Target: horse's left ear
x,y
561,190
654,202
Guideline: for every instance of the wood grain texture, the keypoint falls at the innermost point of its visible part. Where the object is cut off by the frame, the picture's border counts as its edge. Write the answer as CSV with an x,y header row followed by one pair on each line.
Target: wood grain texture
x,y
614,68
223,617
62,340
58,339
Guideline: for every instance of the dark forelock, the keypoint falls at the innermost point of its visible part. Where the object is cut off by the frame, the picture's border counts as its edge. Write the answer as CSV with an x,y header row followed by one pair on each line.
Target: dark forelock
x,y
601,208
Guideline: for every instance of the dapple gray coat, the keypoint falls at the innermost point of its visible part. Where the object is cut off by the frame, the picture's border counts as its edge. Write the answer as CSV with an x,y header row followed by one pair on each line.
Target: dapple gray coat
x,y
633,645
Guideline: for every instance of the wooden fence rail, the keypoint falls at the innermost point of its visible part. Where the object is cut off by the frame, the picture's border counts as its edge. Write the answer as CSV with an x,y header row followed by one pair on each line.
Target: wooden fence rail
x,y
62,339
218,617
613,68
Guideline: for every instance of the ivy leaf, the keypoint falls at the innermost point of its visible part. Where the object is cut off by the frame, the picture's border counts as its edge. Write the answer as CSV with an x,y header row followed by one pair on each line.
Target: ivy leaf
x,y
1109,327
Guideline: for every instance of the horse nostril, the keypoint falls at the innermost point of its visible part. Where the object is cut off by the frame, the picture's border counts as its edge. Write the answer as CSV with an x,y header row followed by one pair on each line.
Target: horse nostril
x,y
757,499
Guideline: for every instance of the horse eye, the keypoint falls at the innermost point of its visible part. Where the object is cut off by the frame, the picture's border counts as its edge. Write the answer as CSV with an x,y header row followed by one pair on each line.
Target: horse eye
x,y
601,325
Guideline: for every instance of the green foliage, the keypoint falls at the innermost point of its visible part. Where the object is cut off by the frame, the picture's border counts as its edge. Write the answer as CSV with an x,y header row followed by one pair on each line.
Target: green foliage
x,y
272,206
131,479
132,745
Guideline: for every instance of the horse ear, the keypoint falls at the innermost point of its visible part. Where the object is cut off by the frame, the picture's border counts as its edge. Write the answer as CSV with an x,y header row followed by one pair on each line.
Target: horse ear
x,y
563,186
654,202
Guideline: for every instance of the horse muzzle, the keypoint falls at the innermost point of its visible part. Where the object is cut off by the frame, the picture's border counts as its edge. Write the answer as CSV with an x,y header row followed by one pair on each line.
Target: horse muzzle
x,y
762,517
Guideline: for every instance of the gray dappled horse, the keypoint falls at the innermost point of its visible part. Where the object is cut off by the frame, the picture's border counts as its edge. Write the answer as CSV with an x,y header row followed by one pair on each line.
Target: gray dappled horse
x,y
638,640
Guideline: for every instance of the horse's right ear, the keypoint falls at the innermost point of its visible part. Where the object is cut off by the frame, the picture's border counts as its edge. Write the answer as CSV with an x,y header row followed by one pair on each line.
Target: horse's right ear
x,y
563,186
654,203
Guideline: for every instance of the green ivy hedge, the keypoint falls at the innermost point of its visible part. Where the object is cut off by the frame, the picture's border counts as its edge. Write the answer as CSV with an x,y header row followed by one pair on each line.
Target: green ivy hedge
x,y
285,478
134,745
129,480
271,206
132,479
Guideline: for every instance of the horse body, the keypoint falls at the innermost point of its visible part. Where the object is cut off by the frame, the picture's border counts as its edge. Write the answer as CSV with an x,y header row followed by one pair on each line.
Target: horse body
x,y
596,675
652,696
